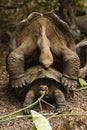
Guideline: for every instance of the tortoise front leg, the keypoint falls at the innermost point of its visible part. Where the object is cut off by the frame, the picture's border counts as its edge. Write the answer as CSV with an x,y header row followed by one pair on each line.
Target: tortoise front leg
x,y
71,65
16,68
60,101
29,99
15,63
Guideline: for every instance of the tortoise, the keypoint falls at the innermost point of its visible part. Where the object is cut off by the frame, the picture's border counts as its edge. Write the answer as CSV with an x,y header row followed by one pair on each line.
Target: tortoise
x,y
81,49
41,79
42,39
81,23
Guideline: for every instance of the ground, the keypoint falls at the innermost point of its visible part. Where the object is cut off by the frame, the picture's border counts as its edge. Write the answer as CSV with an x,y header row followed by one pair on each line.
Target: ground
x,y
8,103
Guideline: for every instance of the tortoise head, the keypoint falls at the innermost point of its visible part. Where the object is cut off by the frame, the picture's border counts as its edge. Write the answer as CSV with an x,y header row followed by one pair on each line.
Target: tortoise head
x,y
44,88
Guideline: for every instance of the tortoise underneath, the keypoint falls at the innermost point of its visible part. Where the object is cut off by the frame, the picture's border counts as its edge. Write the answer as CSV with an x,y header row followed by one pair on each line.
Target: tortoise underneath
x,y
52,93
41,79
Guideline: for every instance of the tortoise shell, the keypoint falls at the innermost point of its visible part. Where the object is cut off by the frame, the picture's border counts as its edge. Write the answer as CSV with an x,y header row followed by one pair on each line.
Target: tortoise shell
x,y
63,26
37,72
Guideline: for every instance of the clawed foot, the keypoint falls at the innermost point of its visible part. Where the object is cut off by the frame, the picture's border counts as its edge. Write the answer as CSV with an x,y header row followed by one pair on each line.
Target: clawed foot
x,y
60,110
69,83
20,82
26,112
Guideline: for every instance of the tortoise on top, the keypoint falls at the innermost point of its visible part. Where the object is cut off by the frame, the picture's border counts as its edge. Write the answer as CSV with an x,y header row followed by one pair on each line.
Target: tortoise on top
x,y
42,39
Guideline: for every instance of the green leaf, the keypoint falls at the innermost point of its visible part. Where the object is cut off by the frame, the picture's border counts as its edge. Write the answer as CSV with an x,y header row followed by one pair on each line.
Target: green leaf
x,y
34,128
82,82
40,121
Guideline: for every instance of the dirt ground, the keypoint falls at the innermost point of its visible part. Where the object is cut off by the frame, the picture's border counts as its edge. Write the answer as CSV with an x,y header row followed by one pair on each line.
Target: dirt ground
x,y
75,106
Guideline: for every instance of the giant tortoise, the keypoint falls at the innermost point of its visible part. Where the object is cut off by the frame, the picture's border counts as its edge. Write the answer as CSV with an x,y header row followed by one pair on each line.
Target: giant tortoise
x,y
41,79
42,39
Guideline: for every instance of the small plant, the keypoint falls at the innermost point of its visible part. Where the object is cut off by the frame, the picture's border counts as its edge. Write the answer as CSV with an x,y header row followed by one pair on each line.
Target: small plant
x,y
82,84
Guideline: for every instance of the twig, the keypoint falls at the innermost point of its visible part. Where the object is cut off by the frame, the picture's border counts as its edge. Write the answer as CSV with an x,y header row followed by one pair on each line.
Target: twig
x,y
40,105
16,117
20,110
81,88
60,115
47,103
29,116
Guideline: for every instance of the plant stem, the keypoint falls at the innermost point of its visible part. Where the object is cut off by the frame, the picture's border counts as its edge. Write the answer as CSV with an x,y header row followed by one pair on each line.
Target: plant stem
x,y
81,88
60,115
17,117
29,106
48,103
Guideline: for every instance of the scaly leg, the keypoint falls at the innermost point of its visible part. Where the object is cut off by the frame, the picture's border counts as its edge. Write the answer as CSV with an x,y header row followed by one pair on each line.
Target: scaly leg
x,y
15,63
60,101
29,99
